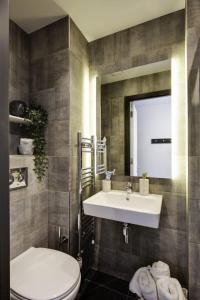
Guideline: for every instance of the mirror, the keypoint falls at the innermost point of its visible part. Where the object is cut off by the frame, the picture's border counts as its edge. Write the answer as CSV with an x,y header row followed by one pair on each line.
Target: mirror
x,y
136,120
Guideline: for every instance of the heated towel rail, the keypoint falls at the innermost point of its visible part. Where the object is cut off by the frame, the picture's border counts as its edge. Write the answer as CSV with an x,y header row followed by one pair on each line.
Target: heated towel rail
x,y
91,155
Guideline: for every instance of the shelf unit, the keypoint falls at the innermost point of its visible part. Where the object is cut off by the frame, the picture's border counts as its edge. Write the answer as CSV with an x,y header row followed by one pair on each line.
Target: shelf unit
x,y
18,120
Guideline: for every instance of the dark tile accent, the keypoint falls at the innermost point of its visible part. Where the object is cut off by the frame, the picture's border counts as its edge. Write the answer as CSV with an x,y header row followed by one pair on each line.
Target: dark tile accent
x,y
104,279
97,285
98,293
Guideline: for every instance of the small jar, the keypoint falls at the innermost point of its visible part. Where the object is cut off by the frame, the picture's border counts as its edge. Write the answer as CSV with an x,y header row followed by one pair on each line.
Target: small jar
x,y
106,185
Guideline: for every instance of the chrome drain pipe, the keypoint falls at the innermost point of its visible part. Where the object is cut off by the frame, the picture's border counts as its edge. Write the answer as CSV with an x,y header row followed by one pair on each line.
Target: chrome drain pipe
x,y
125,232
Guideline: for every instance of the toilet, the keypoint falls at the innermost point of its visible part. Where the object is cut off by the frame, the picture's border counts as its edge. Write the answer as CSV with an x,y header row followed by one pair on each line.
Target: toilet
x,y
44,274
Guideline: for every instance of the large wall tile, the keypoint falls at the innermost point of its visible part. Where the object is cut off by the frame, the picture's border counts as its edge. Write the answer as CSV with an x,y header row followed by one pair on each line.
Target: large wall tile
x,y
39,75
59,208
194,224
58,35
193,177
58,173
58,138
173,213
193,268
58,68
51,39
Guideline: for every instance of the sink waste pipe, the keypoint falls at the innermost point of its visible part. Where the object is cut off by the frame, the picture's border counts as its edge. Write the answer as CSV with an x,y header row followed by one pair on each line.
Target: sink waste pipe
x,y
125,232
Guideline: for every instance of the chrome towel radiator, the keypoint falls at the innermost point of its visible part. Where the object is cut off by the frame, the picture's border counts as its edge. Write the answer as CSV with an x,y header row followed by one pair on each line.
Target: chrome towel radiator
x,y
85,188
92,158
101,156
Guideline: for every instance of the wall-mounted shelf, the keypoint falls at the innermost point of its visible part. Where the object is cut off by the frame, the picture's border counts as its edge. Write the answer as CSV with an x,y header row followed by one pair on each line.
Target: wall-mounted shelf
x,y
18,120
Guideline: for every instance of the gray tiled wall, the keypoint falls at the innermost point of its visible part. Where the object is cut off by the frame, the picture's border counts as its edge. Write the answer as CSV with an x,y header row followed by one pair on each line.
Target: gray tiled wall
x,y
49,86
58,58
146,43
28,210
112,111
28,206
139,45
79,65
193,64
19,76
57,69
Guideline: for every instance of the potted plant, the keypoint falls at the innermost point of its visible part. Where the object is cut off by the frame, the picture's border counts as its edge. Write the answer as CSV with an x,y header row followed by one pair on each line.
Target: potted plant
x,y
36,131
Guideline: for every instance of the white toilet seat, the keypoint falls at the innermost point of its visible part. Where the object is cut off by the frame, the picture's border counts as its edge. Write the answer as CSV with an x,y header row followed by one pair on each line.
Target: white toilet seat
x,y
44,274
68,296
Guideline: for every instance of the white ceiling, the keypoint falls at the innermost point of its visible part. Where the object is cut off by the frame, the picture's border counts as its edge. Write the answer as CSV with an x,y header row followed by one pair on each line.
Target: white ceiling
x,y
95,18
153,68
31,15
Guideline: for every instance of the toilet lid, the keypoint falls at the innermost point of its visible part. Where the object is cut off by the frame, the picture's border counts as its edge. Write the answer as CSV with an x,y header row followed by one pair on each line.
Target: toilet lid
x,y
43,274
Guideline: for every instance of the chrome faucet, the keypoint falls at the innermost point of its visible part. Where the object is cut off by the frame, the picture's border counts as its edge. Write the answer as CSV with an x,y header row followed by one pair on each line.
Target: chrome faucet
x,y
129,188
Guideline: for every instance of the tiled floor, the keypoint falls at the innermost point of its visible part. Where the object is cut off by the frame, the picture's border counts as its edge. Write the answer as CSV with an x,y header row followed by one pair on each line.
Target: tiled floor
x,y
100,286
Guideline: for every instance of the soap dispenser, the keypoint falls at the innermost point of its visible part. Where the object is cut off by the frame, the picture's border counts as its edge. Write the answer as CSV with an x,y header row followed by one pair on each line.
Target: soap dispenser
x,y
106,183
144,185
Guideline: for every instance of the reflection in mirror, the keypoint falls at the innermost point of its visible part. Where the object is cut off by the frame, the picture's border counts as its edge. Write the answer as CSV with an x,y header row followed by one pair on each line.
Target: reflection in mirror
x,y
148,135
136,120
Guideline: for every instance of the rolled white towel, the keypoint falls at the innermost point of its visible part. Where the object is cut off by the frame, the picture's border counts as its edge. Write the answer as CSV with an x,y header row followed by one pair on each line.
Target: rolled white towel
x,y
169,289
134,285
160,269
148,286
143,285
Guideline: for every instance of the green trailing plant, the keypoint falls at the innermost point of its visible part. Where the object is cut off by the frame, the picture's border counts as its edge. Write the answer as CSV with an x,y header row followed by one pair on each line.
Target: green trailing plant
x,y
36,130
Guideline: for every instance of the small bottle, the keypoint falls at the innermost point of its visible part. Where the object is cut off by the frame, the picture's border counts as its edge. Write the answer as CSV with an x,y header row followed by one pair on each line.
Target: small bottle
x,y
144,185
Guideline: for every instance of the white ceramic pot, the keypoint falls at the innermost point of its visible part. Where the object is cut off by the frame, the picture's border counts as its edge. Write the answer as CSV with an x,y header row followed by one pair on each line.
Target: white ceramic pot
x,y
26,146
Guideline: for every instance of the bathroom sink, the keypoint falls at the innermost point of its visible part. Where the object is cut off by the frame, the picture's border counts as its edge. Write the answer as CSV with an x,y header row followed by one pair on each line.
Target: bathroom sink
x,y
138,210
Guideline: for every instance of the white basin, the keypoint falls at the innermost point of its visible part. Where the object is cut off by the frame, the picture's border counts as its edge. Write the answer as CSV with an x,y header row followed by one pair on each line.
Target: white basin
x,y
138,210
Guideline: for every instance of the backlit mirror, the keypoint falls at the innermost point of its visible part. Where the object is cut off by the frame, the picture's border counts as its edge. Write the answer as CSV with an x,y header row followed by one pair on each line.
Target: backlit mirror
x,y
136,120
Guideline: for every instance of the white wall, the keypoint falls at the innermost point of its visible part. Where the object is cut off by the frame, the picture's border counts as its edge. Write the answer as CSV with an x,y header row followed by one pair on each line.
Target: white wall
x,y
153,121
